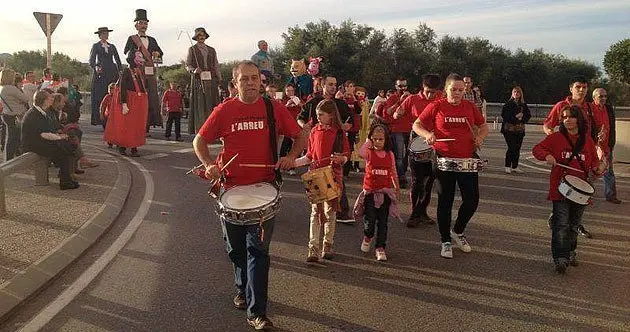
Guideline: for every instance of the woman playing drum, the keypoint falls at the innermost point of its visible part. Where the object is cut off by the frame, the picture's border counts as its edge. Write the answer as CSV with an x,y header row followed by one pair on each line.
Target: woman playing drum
x,y
572,147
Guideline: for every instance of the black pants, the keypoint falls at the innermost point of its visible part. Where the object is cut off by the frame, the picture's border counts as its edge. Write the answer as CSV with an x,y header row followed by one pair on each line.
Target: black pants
x,y
12,139
469,188
347,167
173,117
376,219
514,142
422,178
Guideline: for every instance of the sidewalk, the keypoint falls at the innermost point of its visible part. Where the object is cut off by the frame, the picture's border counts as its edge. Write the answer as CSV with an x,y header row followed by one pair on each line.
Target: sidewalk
x,y
46,229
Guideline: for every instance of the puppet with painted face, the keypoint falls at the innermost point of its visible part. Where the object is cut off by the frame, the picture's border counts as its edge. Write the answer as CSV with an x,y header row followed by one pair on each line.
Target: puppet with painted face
x,y
361,94
313,66
302,81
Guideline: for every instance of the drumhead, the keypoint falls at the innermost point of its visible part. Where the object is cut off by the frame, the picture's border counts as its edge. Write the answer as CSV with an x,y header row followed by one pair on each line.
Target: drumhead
x,y
249,197
579,184
418,144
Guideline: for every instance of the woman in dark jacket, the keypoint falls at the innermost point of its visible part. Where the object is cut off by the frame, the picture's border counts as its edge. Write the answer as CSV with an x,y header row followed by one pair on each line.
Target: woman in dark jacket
x,y
105,63
515,115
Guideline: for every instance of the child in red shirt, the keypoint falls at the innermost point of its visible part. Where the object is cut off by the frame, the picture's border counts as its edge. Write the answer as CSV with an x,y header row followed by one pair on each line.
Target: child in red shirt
x,y
377,196
327,145
104,108
173,103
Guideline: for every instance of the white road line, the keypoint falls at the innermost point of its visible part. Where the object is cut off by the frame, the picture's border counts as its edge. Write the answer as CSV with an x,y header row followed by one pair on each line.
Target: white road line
x,y
187,150
155,156
181,167
55,307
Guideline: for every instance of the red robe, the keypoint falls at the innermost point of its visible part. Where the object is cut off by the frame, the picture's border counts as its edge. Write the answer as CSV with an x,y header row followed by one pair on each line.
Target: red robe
x,y
128,130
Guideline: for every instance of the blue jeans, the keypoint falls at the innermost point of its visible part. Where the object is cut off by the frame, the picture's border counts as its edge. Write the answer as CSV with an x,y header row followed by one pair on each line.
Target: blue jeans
x,y
250,258
400,141
567,216
610,187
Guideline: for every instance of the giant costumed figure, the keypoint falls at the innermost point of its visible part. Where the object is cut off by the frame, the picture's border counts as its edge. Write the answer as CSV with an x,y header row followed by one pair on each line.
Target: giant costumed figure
x,y
302,81
152,54
105,63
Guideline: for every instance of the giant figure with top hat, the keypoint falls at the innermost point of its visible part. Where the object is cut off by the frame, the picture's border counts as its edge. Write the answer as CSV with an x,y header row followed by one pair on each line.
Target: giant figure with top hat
x,y
152,54
106,65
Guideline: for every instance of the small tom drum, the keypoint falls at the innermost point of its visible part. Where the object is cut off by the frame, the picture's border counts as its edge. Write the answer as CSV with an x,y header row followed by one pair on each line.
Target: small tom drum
x,y
459,164
420,151
249,204
320,185
576,189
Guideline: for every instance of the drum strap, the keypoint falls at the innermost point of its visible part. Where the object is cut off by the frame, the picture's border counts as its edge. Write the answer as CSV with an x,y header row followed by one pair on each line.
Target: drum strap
x,y
273,141
574,153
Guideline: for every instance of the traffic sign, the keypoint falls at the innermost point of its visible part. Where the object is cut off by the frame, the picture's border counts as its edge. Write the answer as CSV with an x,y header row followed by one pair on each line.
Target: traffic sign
x,y
53,21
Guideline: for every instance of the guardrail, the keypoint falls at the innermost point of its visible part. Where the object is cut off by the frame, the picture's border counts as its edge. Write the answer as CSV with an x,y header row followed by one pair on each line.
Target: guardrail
x,y
39,163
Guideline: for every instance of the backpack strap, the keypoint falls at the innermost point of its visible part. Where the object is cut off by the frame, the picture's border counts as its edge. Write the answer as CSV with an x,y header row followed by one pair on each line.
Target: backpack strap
x,y
273,140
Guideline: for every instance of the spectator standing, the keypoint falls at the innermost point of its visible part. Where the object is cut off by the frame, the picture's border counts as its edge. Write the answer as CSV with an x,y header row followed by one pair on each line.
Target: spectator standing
x,y
14,104
515,115
605,120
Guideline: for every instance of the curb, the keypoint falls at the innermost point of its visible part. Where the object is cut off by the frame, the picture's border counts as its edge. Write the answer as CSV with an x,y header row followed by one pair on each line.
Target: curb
x,y
30,281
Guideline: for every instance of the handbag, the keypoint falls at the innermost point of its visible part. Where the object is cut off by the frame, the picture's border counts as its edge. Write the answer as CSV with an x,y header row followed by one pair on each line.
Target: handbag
x,y
515,127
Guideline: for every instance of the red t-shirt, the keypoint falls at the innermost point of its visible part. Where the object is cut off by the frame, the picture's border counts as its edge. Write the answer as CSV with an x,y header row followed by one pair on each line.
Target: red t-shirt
x,y
379,171
600,114
293,110
244,130
172,99
415,104
320,145
553,118
449,121
558,146
400,125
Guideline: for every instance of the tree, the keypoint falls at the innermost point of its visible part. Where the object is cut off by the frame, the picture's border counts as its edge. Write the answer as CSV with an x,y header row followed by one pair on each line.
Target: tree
x,y
617,61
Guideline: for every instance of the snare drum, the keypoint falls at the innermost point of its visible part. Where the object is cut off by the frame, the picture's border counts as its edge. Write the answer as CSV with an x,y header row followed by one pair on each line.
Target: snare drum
x,y
576,189
320,185
460,164
250,204
420,151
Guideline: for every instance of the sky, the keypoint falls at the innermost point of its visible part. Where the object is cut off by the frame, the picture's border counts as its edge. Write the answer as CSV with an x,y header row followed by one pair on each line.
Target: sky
x,y
578,29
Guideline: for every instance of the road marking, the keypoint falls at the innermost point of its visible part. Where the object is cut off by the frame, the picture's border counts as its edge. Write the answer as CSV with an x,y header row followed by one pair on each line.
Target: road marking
x,y
155,156
55,307
187,150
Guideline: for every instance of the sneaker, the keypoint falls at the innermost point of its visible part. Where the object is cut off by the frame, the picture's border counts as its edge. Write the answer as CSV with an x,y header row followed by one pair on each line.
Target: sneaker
x,y
292,172
313,255
517,170
561,265
239,301
508,170
259,322
328,253
462,243
345,219
365,245
582,231
447,250
380,254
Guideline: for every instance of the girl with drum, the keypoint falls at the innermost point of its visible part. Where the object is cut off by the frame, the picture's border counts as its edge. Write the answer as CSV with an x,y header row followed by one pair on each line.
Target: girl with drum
x,y
515,115
327,145
378,195
453,117
572,147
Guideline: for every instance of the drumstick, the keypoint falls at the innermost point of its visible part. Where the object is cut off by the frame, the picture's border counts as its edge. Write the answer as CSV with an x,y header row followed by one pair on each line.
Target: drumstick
x,y
444,139
473,132
257,165
229,162
569,167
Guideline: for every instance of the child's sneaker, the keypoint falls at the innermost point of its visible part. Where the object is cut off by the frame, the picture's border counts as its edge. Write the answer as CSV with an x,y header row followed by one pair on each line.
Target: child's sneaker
x,y
461,242
447,250
365,245
380,254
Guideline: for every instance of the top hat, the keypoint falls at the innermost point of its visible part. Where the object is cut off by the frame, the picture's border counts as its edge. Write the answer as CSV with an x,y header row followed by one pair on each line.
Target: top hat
x,y
141,15
102,29
198,31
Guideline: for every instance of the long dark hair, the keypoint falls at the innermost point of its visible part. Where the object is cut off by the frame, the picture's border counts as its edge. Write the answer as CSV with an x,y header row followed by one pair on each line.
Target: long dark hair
x,y
574,112
328,106
388,143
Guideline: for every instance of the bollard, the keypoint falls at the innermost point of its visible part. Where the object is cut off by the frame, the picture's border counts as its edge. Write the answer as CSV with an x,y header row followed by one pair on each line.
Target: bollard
x,y
41,172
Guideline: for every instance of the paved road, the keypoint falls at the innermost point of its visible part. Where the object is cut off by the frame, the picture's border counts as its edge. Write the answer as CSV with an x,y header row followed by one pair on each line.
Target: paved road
x,y
173,274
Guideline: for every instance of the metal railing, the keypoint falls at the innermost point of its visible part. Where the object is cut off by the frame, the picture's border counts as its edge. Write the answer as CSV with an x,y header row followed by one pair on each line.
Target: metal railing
x,y
28,159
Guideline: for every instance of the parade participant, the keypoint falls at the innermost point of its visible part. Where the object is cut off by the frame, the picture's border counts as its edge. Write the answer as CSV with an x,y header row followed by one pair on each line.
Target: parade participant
x,y
327,145
380,189
361,96
380,98
203,65
399,123
572,147
515,115
604,116
422,176
152,55
105,108
233,122
471,95
301,80
453,117
294,105
106,65
263,60
308,118
173,105
578,88
128,122
355,111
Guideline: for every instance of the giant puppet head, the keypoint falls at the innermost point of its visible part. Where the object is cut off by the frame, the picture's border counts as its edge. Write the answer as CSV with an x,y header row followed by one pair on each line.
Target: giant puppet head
x,y
298,67
313,65
360,93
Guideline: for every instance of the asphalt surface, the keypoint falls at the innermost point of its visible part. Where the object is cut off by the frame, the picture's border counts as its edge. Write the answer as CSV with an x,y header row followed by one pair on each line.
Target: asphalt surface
x,y
174,275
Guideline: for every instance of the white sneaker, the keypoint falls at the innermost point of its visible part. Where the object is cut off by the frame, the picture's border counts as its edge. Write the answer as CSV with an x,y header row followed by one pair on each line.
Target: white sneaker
x,y
380,254
461,242
508,170
365,244
447,250
292,172
518,170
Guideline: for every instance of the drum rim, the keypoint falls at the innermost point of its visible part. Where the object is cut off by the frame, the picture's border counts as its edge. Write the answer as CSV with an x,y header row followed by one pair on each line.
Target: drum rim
x,y
219,201
588,193
429,147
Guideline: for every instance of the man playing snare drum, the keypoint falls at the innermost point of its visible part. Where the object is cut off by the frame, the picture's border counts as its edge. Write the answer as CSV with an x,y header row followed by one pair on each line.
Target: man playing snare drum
x,y
243,125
